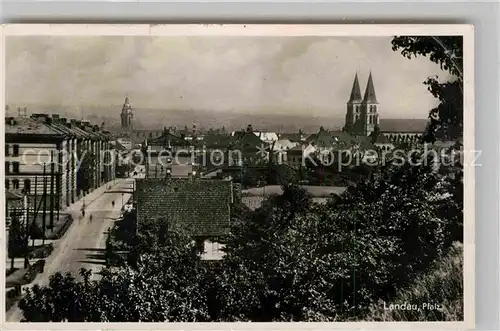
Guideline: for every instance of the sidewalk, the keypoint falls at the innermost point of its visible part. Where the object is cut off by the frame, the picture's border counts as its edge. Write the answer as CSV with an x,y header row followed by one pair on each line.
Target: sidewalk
x,y
64,246
92,196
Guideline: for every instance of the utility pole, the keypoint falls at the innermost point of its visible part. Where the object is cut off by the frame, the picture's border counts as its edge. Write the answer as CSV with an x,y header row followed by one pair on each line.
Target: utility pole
x,y
52,198
44,213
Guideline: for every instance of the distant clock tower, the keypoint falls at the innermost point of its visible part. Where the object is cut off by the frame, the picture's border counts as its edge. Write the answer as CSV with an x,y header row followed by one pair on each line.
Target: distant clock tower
x,y
127,116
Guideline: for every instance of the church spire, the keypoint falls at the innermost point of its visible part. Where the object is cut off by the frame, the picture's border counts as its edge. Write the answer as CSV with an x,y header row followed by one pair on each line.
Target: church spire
x,y
370,96
356,91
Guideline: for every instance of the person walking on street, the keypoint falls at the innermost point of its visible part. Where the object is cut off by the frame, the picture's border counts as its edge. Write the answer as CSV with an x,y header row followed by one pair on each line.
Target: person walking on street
x,y
113,203
90,218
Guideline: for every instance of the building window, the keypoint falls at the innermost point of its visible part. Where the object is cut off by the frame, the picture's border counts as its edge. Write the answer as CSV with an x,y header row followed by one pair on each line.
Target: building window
x,y
357,118
357,109
7,184
215,247
7,150
15,150
7,167
15,183
15,167
27,186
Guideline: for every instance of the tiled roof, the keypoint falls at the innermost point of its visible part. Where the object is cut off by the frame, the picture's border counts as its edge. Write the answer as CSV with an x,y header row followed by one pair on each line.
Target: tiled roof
x,y
118,146
215,140
168,138
381,139
402,125
294,137
201,206
28,125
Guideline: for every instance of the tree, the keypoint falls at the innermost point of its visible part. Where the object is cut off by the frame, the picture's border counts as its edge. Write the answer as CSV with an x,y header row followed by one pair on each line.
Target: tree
x,y
446,120
86,171
164,285
270,272
18,242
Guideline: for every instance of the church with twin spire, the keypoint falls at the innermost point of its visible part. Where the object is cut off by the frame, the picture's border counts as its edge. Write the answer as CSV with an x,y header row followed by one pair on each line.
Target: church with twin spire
x,y
362,111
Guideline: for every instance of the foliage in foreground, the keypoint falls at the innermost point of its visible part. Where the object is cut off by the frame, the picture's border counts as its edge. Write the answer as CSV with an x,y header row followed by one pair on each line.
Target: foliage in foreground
x,y
443,285
163,285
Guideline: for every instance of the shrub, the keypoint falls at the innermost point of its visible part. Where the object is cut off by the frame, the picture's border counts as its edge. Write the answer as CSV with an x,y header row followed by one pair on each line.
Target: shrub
x,y
33,270
442,285
41,252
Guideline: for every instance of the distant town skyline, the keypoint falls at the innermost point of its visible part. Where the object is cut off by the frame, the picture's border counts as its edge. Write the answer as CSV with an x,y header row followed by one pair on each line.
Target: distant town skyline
x,y
238,75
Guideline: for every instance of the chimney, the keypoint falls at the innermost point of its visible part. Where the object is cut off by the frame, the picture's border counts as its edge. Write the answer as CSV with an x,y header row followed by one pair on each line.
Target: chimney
x,y
249,128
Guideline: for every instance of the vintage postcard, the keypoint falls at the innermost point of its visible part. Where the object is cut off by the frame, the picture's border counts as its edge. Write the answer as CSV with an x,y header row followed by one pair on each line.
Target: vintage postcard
x,y
273,174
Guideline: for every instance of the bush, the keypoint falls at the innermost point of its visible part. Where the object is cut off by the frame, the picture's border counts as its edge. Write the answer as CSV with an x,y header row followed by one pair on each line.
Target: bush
x,y
60,228
12,296
41,252
442,285
34,270
26,276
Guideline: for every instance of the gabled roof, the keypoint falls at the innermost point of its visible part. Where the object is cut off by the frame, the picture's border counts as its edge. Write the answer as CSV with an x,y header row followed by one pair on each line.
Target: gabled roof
x,y
370,96
202,207
215,141
167,139
266,136
246,139
381,139
356,91
294,137
118,146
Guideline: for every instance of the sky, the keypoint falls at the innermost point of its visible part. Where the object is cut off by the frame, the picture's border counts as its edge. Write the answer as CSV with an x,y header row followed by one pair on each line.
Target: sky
x,y
253,75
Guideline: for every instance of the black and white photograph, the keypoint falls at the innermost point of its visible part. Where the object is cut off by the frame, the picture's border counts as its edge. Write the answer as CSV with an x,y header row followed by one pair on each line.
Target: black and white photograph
x,y
256,174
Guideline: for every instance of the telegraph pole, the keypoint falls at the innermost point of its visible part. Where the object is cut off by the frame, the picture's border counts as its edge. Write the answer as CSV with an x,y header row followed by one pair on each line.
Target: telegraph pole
x,y
52,198
44,213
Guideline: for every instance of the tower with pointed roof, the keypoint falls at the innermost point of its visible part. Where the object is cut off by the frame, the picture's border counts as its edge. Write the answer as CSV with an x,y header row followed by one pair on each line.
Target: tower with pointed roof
x,y
362,112
370,107
353,107
126,116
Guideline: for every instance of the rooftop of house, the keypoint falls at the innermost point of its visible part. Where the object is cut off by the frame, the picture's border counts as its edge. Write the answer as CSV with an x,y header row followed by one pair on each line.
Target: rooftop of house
x,y
168,138
402,125
29,126
118,146
293,137
202,207
52,125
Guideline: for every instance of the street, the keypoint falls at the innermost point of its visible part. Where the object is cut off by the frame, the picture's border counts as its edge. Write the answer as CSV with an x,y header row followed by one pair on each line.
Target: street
x,y
84,243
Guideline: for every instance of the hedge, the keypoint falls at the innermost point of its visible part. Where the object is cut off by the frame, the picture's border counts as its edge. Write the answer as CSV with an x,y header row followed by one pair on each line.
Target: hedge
x,y
41,252
12,296
28,276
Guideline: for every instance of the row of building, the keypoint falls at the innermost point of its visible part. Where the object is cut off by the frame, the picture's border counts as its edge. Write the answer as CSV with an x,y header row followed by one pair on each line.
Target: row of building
x,y
61,159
